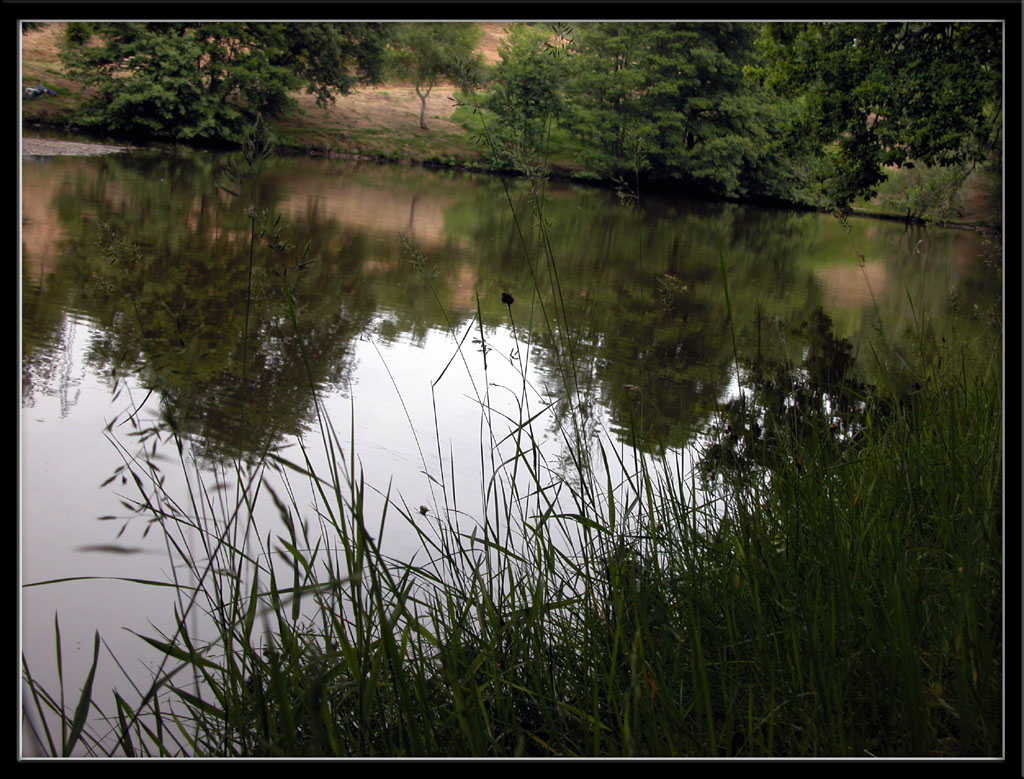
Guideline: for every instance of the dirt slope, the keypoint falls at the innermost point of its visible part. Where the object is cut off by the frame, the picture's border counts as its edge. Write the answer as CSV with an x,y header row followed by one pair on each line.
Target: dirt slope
x,y
387,108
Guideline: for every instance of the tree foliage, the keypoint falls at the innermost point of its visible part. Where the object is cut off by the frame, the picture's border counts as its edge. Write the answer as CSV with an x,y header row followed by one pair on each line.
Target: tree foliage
x,y
527,86
674,97
205,81
809,112
887,93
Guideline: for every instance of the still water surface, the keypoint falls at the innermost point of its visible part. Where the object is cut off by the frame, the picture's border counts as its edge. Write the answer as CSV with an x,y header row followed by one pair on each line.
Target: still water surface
x,y
134,280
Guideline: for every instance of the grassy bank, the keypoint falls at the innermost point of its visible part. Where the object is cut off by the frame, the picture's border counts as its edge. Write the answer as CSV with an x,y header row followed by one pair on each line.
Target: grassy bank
x,y
841,598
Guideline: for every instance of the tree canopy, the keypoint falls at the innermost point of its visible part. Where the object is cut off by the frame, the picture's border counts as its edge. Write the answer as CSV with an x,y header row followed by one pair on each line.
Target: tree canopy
x,y
682,88
205,81
672,99
808,112
882,94
526,92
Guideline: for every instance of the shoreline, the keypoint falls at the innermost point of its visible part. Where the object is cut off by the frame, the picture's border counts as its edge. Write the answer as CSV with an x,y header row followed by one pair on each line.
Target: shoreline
x,y
46,147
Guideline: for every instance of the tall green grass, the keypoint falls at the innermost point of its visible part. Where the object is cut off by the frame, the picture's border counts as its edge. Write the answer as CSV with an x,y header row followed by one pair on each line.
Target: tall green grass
x,y
845,601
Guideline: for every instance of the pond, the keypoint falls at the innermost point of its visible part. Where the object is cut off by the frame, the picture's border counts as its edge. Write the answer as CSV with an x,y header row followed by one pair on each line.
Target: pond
x,y
427,315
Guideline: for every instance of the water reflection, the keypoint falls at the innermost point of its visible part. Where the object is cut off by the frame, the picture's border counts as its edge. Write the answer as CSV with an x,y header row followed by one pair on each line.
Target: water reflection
x,y
621,324
155,253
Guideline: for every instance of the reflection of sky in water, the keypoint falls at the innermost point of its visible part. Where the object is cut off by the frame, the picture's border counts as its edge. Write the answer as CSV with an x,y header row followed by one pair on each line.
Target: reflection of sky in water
x,y
426,414
64,460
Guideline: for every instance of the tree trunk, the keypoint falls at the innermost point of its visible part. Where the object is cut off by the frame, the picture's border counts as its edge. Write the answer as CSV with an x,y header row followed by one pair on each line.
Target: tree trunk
x,y
423,105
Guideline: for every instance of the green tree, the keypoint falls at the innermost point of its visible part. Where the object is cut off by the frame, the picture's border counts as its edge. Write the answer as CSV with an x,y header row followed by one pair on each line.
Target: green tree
x,y
428,53
681,89
205,81
527,85
882,94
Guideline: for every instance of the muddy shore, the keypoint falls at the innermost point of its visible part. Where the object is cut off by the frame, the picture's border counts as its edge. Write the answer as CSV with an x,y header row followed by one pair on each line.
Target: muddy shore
x,y
50,148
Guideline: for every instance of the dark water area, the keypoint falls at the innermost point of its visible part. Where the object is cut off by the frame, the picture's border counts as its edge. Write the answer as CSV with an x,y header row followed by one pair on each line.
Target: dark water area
x,y
142,306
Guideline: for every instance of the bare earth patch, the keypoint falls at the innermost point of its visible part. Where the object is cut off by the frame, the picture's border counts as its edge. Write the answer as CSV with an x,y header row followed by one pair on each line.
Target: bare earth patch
x,y
393,108
43,43
494,34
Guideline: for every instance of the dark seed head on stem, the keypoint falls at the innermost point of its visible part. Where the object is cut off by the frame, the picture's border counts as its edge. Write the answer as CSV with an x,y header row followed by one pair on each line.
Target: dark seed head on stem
x,y
507,299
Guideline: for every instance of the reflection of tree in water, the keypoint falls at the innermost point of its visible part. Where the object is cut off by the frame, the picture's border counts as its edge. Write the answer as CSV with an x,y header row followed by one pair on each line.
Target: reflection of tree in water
x,y
65,381
655,358
47,371
187,345
166,281
785,408
642,293
230,417
47,340
167,286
